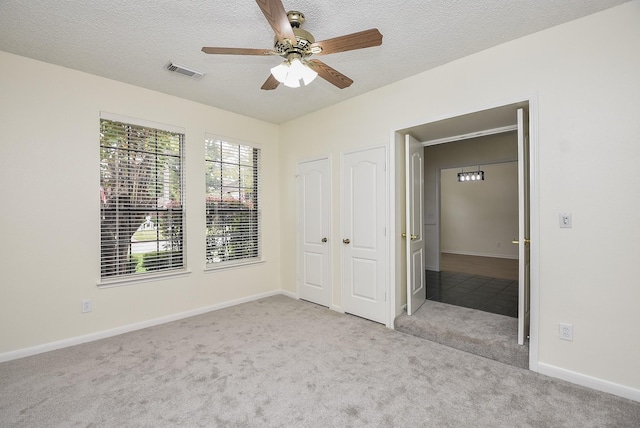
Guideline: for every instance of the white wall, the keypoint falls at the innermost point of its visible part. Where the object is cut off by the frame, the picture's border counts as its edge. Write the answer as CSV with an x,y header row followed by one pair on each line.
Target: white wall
x,y
480,218
585,75
49,246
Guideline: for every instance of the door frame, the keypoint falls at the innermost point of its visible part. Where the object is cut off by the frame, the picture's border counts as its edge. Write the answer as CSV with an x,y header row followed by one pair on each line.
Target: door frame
x,y
397,214
330,226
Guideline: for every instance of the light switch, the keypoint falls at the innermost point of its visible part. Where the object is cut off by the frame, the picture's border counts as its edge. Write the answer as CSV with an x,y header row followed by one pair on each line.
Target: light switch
x,y
565,220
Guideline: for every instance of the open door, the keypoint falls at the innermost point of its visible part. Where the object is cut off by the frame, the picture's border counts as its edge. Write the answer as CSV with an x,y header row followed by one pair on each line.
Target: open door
x,y
523,227
414,166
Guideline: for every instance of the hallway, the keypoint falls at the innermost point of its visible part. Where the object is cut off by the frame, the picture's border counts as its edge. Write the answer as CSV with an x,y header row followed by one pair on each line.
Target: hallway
x,y
482,283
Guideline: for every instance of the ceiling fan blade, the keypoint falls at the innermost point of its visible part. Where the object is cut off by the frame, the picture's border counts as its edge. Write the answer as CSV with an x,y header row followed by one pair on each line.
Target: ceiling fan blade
x,y
277,17
330,75
360,40
237,51
270,83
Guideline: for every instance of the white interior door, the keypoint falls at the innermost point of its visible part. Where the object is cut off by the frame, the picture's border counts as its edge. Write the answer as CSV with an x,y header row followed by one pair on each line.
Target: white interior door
x,y
364,242
523,227
314,225
414,167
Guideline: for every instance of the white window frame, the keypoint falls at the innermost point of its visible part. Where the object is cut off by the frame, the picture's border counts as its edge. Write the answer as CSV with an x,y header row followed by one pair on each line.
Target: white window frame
x,y
126,279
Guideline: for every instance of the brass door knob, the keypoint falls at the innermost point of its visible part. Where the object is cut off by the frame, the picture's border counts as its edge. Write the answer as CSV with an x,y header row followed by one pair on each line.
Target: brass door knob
x,y
346,241
516,241
324,239
414,237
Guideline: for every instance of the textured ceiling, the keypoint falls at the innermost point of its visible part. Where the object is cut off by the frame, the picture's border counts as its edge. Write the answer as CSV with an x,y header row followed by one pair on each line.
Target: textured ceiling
x,y
132,41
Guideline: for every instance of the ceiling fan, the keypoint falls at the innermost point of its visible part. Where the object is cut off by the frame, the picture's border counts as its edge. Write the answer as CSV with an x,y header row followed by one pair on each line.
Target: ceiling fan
x,y
296,45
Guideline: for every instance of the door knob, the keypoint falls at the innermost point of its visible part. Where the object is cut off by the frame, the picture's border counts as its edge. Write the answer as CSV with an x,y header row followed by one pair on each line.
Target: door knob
x,y
414,237
526,241
324,239
404,234
346,241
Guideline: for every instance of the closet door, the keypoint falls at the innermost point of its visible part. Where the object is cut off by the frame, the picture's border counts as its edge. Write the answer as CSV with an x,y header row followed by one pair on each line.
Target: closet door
x,y
364,241
314,226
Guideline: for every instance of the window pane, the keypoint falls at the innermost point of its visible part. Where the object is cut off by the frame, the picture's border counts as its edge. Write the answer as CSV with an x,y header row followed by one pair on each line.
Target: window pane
x,y
232,219
230,153
214,179
141,216
212,150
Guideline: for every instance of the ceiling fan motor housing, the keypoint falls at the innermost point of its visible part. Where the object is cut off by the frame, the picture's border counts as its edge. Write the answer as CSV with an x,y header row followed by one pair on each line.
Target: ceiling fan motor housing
x,y
304,39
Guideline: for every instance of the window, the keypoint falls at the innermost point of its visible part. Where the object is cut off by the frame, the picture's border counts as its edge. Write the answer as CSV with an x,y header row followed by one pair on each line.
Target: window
x,y
141,200
232,207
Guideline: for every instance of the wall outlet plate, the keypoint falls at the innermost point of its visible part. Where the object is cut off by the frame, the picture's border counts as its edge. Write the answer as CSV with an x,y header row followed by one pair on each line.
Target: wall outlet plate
x,y
566,332
87,306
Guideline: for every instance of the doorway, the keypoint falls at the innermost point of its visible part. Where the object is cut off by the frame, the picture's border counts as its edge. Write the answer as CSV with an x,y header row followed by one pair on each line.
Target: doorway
x,y
493,121
478,220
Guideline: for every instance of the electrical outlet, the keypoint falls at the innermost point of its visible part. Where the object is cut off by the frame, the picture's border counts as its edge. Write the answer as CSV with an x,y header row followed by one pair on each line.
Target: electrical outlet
x,y
566,332
87,306
565,220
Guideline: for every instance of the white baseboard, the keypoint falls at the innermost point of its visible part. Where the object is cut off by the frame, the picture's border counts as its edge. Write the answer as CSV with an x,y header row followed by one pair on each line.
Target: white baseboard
x,y
289,294
471,253
72,341
590,381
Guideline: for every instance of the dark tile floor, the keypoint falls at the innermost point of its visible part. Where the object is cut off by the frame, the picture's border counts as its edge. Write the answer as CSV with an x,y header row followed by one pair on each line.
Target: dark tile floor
x,y
495,295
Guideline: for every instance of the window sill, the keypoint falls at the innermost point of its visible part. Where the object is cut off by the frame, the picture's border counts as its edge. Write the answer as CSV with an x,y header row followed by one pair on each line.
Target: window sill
x,y
132,280
230,265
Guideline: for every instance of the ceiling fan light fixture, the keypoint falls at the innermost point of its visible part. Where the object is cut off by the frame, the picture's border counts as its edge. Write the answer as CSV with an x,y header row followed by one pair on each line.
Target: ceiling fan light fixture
x,y
302,71
280,71
292,81
291,72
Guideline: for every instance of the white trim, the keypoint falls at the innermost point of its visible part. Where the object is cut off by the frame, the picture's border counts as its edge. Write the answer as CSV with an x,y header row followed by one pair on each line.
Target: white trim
x,y
534,231
392,287
142,122
523,98
214,267
388,293
590,381
231,140
141,278
476,134
288,294
337,308
471,253
91,337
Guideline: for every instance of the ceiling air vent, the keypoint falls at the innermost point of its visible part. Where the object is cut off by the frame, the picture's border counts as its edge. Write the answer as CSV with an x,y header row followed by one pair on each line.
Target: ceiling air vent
x,y
185,71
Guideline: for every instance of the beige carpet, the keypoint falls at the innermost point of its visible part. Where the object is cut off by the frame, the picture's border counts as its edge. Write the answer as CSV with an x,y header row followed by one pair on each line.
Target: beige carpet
x,y
280,362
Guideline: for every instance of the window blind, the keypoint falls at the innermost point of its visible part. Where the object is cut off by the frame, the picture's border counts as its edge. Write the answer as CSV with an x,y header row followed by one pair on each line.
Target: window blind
x,y
141,200
232,202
